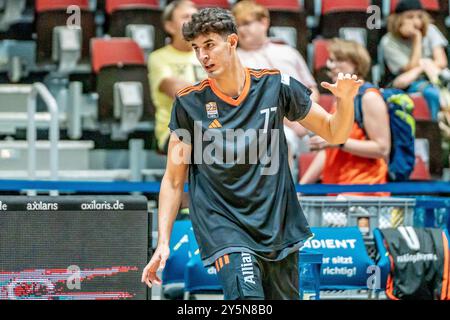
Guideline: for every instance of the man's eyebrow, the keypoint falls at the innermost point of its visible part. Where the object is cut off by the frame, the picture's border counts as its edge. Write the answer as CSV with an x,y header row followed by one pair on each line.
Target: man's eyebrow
x,y
208,41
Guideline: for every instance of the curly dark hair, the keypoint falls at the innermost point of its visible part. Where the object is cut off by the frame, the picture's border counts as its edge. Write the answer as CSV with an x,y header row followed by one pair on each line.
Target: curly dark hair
x,y
209,20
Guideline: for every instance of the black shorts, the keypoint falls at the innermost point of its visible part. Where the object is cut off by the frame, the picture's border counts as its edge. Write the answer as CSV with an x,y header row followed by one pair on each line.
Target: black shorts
x,y
245,276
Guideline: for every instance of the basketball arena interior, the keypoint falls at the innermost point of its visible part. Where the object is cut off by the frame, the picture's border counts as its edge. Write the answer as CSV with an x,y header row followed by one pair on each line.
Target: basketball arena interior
x,y
81,169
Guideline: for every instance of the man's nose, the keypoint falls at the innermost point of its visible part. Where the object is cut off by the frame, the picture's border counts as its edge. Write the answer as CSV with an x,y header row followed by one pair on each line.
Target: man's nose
x,y
203,56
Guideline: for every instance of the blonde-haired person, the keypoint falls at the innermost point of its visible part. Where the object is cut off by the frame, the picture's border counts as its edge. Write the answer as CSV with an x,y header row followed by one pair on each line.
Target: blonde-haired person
x,y
414,51
363,158
257,51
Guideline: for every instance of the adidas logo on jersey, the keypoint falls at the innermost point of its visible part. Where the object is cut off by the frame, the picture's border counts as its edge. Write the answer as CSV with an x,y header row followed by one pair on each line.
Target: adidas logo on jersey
x,y
215,124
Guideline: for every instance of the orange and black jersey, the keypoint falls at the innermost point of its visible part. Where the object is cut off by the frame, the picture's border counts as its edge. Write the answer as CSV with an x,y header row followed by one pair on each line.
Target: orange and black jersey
x,y
242,194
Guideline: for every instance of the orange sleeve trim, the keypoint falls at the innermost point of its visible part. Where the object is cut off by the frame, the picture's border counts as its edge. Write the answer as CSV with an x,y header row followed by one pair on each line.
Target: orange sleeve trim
x,y
260,73
189,89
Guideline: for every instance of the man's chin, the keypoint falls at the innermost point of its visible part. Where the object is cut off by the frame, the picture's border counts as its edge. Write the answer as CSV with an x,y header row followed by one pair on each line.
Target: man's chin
x,y
213,73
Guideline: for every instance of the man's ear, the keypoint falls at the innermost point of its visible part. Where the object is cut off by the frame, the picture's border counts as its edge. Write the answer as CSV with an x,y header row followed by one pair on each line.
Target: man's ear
x,y
233,40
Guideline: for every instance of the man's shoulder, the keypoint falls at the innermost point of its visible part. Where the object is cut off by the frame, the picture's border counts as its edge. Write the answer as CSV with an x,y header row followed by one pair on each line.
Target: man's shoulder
x,y
263,73
195,89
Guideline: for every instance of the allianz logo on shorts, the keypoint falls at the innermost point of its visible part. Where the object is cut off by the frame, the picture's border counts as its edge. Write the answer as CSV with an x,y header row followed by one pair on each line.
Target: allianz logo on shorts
x,y
247,268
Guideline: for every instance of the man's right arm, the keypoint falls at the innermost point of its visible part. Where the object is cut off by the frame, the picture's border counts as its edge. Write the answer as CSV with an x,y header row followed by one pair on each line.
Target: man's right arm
x,y
172,186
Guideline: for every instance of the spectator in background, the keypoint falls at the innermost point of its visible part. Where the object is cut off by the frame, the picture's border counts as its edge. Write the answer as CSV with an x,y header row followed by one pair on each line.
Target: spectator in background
x,y
257,51
172,67
414,51
363,158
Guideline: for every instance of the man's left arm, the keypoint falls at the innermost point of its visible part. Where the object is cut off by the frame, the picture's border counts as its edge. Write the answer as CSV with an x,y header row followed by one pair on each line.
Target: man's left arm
x,y
335,128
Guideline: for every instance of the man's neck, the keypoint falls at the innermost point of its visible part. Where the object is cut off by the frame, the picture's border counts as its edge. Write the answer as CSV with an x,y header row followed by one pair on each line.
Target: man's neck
x,y
233,82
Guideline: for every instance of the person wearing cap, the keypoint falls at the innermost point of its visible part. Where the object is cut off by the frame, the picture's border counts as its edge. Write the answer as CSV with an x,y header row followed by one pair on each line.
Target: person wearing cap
x,y
414,52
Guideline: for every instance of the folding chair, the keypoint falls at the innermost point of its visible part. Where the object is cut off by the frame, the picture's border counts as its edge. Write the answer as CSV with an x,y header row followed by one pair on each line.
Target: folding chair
x,y
51,14
138,19
119,60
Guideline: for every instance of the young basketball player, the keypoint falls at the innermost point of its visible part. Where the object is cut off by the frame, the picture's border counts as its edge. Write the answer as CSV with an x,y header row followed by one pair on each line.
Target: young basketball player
x,y
244,208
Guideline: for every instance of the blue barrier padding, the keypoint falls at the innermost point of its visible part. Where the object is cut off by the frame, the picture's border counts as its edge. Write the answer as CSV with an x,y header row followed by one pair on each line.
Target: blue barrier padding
x,y
154,187
196,276
345,262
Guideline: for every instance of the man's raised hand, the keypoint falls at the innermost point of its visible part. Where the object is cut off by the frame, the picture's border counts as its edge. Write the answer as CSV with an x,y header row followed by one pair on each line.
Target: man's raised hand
x,y
346,86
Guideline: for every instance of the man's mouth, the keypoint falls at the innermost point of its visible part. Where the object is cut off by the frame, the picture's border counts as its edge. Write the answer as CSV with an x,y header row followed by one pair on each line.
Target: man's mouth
x,y
209,67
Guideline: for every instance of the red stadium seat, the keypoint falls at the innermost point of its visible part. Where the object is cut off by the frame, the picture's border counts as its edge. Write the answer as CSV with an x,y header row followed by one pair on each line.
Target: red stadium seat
x,y
123,13
115,51
421,111
329,6
317,58
304,161
53,13
112,5
285,5
212,3
429,5
118,60
47,5
321,54
421,171
327,101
